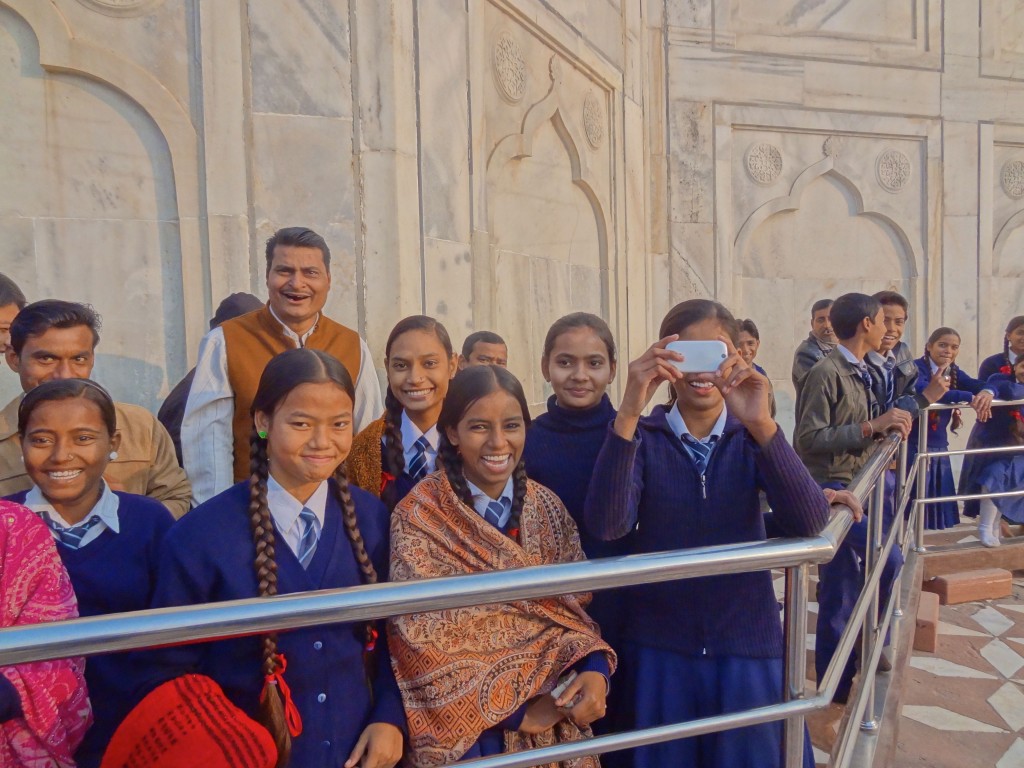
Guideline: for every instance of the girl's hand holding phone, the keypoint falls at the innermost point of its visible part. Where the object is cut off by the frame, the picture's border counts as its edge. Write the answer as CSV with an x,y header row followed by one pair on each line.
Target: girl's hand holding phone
x,y
746,393
646,374
583,700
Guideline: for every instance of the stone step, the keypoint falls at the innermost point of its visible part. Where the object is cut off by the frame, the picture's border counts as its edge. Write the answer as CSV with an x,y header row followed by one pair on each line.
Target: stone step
x,y
955,558
926,634
968,586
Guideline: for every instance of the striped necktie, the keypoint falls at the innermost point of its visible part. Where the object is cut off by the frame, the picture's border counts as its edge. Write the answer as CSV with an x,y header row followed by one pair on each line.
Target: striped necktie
x,y
493,513
418,466
869,389
890,381
72,537
310,536
699,452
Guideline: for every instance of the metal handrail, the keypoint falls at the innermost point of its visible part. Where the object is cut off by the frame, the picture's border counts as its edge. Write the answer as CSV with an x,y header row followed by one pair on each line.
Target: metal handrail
x,y
189,624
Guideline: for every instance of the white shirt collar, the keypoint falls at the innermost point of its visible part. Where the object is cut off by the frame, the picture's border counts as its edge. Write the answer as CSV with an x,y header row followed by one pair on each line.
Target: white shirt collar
x,y
679,428
850,357
300,340
285,508
105,510
481,500
411,433
880,360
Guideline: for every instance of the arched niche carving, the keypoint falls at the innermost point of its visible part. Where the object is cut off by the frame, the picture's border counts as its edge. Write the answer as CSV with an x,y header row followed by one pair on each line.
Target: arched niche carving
x,y
61,52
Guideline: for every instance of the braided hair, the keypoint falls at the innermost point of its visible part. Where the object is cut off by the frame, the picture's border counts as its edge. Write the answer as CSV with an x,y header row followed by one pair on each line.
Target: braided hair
x,y
1011,326
283,374
468,386
393,454
957,419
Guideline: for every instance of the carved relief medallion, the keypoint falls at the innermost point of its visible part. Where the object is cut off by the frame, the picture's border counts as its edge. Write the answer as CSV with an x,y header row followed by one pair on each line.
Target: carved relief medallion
x,y
509,67
1012,178
593,120
121,7
832,146
893,170
764,162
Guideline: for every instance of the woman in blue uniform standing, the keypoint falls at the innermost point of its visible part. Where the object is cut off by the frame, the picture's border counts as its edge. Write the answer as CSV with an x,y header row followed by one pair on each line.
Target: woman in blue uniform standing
x,y
311,530
109,541
689,475
940,354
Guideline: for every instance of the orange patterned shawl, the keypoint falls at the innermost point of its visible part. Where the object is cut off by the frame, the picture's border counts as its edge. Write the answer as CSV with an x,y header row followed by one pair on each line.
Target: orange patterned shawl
x,y
465,670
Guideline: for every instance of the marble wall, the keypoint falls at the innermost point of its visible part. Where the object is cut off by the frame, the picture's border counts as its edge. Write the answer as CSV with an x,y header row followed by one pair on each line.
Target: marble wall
x,y
497,163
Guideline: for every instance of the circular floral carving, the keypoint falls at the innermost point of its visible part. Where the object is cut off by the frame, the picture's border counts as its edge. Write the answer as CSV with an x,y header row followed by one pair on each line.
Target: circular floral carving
x,y
121,7
764,162
1013,178
593,120
832,146
509,67
893,170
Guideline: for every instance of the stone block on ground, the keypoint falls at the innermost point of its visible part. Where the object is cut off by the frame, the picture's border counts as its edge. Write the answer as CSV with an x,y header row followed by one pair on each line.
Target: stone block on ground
x,y
968,586
926,633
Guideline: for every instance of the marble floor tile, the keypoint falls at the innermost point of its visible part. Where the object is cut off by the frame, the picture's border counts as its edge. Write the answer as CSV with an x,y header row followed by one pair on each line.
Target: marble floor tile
x,y
967,539
1016,608
945,628
944,668
1008,701
992,620
820,757
1002,657
812,608
809,642
1014,757
945,720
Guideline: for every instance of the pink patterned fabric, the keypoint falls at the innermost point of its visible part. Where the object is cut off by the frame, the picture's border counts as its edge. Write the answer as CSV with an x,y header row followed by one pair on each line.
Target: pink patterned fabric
x,y
34,587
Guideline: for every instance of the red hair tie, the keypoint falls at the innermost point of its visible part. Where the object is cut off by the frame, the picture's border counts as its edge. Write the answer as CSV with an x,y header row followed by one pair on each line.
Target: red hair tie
x,y
933,421
1017,415
385,480
1006,369
291,712
513,533
372,642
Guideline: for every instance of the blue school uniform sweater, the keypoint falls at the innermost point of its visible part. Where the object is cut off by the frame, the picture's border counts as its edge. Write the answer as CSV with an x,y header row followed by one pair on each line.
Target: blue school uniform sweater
x,y
561,449
209,557
991,365
651,483
115,572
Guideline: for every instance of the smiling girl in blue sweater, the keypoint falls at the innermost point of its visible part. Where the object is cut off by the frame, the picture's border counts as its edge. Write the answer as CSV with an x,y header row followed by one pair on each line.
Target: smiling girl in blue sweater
x,y
689,475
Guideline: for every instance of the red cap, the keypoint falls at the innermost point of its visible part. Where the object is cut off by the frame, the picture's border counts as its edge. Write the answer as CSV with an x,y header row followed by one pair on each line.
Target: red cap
x,y
189,721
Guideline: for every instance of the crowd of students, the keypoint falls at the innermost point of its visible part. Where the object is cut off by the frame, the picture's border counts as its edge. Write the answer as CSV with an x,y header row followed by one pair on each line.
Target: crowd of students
x,y
298,476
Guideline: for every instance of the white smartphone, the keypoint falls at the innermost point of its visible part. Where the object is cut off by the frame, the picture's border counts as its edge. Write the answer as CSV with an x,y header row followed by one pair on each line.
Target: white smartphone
x,y
699,356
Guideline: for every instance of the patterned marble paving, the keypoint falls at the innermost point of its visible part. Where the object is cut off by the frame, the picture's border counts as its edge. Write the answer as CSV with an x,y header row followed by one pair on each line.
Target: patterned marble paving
x,y
964,705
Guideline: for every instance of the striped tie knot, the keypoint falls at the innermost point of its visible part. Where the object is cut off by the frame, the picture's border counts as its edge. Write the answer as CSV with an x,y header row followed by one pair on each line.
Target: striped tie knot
x,y
890,381
418,466
493,513
72,536
699,451
310,536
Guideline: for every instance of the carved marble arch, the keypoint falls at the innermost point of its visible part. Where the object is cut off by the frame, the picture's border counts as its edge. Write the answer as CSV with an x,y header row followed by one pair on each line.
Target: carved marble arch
x,y
520,145
60,52
910,253
1009,231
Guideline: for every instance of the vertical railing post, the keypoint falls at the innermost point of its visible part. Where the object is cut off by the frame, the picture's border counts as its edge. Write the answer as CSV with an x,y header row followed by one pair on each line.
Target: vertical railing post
x,y
901,514
869,631
918,514
796,659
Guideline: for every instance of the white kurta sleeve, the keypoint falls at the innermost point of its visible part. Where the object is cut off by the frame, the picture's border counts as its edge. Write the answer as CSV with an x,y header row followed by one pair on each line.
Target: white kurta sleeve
x,y
369,403
207,440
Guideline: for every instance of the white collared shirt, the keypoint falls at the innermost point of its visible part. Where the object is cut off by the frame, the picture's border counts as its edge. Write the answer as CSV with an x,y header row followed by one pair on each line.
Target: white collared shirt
x,y
285,509
850,357
299,340
880,363
105,510
678,425
410,434
207,439
481,500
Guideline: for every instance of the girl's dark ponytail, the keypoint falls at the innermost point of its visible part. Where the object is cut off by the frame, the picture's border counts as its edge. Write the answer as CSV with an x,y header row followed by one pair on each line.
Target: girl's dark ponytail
x,y
272,708
393,455
367,573
450,459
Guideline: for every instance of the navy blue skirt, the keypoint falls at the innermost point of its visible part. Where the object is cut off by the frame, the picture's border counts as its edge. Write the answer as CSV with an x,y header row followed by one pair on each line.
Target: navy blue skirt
x,y
668,687
944,514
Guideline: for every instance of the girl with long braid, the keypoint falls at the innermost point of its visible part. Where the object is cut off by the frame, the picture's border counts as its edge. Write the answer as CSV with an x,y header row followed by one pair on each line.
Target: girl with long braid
x,y
1013,349
940,355
482,680
399,449
295,525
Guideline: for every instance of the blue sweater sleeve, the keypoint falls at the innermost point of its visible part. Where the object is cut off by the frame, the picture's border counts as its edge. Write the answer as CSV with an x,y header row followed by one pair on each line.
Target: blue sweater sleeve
x,y
613,500
10,701
798,505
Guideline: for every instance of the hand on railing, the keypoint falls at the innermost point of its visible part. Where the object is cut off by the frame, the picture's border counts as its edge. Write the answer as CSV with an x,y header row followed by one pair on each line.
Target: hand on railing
x,y
893,420
845,497
982,405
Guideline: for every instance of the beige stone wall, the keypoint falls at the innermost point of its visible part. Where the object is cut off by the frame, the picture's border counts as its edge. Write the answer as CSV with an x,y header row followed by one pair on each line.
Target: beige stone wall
x,y
497,163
